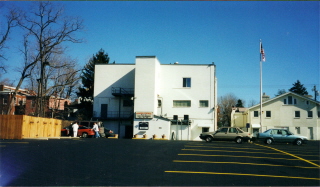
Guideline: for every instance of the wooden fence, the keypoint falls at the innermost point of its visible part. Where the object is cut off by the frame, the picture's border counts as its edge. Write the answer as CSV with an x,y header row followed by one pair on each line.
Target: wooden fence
x,y
22,126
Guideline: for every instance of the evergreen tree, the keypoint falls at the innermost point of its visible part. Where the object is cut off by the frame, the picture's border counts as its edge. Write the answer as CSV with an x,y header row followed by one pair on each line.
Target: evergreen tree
x,y
239,104
280,92
85,93
298,88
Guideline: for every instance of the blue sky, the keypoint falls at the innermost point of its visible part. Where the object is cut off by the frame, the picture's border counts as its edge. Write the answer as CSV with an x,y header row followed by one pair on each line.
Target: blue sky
x,y
202,32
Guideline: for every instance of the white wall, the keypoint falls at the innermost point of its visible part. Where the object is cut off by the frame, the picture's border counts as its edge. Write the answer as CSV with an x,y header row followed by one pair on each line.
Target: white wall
x,y
152,81
106,77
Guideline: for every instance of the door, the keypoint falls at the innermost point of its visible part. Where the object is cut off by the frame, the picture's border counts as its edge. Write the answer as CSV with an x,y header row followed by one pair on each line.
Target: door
x,y
221,134
232,133
104,111
310,132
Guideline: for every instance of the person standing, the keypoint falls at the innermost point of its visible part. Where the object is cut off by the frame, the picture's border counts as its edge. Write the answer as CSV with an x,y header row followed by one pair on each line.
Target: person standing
x,y
75,128
96,129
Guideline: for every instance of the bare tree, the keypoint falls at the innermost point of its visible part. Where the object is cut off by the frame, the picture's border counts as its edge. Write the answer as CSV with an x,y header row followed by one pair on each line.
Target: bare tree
x,y
47,29
252,102
225,105
10,21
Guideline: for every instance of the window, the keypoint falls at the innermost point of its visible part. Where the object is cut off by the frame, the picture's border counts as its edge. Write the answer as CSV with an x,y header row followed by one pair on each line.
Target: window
x,y
181,103
255,113
290,101
298,130
205,129
268,114
5,101
318,114
297,114
307,102
233,130
203,103
159,103
186,82
310,114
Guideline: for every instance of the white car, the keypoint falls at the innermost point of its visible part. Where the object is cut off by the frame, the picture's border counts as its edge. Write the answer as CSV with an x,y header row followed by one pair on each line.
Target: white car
x,y
227,133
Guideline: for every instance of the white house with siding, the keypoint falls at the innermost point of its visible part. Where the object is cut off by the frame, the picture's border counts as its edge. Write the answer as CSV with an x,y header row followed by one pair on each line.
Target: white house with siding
x,y
297,113
149,98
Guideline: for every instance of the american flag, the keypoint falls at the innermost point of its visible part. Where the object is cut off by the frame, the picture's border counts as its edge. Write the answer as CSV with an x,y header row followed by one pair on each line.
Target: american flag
x,y
263,57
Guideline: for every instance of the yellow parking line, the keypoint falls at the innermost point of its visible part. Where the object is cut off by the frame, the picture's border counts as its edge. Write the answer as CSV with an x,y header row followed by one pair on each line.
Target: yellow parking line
x,y
290,155
236,156
255,164
242,174
223,147
231,151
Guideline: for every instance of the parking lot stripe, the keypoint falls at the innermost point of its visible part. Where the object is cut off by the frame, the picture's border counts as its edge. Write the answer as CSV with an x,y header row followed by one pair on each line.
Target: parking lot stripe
x,y
243,163
308,161
232,151
241,174
238,156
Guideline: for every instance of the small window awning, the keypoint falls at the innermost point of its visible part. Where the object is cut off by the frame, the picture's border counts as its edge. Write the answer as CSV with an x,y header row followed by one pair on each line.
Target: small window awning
x,y
256,126
205,125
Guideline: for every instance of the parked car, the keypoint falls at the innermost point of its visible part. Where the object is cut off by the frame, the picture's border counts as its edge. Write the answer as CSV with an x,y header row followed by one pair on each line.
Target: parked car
x,y
83,131
281,135
227,133
90,124
108,132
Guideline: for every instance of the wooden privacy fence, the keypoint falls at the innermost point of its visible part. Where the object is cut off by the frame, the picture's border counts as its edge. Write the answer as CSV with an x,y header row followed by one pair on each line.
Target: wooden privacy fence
x,y
22,126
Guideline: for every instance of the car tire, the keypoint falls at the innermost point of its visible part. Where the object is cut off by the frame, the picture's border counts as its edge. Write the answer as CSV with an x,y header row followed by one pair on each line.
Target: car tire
x,y
238,140
268,141
209,139
84,135
298,142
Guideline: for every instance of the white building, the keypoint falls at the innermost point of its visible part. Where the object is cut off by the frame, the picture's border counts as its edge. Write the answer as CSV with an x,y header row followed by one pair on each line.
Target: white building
x,y
298,114
149,98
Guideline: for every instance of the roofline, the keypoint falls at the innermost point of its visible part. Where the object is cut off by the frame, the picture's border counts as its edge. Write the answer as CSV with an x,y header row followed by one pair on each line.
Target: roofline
x,y
287,93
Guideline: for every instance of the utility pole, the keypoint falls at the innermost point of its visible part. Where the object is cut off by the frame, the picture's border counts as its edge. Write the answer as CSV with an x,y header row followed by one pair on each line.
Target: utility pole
x,y
316,92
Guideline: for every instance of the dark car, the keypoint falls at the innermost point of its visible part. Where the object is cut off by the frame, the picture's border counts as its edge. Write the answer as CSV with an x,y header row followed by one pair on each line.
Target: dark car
x,y
281,135
108,132
83,131
227,133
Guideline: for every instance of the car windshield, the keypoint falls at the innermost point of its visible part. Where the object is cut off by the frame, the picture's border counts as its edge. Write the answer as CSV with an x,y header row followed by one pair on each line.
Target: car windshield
x,y
267,131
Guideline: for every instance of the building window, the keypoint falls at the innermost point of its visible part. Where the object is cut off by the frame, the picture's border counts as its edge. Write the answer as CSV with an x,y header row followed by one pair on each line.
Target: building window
x,y
205,129
5,101
318,114
307,102
297,114
290,101
181,103
204,103
298,130
159,103
255,113
186,82
310,114
268,114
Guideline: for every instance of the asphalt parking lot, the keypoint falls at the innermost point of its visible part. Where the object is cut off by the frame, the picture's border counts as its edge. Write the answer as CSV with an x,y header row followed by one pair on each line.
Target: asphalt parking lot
x,y
125,162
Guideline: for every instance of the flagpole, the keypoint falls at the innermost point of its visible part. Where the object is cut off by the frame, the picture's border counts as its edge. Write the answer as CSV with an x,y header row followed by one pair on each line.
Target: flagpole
x,y
260,86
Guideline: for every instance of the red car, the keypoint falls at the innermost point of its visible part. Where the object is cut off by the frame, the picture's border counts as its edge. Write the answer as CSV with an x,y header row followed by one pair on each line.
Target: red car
x,y
83,131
